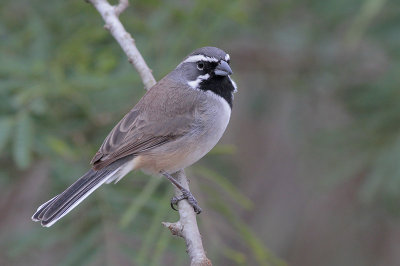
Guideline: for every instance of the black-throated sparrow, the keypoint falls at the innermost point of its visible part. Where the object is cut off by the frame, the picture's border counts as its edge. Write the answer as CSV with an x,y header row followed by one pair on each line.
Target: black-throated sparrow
x,y
176,123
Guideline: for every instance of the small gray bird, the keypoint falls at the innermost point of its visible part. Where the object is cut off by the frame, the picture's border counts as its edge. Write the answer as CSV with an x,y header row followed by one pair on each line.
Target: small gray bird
x,y
177,122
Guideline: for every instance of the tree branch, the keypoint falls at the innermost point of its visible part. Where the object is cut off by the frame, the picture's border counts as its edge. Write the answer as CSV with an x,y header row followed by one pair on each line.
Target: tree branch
x,y
186,227
110,16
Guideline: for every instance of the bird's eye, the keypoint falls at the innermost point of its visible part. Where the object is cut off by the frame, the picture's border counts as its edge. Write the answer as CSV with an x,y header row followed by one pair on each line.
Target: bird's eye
x,y
200,65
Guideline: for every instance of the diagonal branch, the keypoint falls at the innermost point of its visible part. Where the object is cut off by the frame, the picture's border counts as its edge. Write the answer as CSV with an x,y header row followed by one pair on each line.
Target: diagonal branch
x,y
186,227
110,16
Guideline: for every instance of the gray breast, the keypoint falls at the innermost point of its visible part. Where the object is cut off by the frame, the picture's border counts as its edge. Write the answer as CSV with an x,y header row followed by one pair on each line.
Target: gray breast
x,y
212,117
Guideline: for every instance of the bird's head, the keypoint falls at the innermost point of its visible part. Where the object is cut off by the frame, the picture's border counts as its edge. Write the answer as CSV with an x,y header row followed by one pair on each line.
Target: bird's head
x,y
208,69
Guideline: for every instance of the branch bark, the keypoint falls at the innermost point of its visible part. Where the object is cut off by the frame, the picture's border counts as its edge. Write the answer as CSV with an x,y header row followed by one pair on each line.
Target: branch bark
x,y
186,227
110,16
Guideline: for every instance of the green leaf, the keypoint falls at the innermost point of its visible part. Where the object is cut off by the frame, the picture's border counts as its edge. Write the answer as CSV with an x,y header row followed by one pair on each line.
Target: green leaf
x,y
259,251
6,125
223,150
139,201
153,231
369,10
226,185
238,257
23,141
162,244
60,147
85,246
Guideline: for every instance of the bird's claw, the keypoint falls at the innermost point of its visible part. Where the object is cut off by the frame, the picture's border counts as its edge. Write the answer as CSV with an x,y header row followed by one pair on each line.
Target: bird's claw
x,y
189,197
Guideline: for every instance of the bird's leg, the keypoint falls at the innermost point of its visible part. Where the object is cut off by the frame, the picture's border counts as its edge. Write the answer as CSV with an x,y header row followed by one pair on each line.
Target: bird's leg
x,y
186,194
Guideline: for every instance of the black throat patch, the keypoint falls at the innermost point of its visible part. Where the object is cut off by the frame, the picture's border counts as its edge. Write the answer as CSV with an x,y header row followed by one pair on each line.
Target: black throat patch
x,y
221,86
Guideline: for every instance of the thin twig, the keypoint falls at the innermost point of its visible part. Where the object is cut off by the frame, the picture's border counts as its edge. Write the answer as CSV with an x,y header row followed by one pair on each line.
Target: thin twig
x,y
110,16
186,227
122,5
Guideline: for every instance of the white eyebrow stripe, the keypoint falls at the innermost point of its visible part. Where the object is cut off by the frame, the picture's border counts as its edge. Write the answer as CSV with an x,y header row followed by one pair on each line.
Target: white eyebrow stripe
x,y
227,57
199,57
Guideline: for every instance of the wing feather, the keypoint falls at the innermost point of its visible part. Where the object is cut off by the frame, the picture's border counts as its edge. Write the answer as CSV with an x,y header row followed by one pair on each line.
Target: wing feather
x,y
159,117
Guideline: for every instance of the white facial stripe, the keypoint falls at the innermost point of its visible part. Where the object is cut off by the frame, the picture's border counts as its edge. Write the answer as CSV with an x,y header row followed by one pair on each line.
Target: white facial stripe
x,y
199,57
195,83
227,57
233,84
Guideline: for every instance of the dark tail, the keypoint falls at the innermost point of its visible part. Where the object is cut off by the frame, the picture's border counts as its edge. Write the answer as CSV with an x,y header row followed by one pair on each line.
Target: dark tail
x,y
54,209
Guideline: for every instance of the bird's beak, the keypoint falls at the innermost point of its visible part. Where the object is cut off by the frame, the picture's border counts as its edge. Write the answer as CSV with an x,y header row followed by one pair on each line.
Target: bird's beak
x,y
223,69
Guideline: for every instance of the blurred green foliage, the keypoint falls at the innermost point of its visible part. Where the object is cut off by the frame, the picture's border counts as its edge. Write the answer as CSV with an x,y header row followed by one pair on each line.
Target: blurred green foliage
x,y
371,139
64,83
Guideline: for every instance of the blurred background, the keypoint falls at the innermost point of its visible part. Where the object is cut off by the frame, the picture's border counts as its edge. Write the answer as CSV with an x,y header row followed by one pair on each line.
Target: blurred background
x,y
308,172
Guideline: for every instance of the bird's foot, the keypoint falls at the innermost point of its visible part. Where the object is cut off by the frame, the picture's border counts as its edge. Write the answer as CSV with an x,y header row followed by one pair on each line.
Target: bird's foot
x,y
186,194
